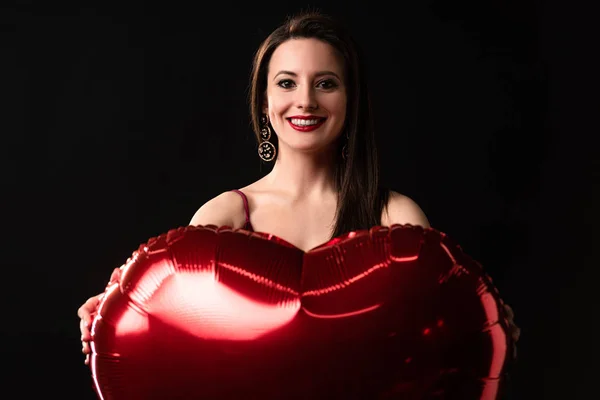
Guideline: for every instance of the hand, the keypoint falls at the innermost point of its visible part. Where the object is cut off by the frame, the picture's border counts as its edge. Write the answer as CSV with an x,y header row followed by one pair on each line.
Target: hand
x,y
87,312
514,330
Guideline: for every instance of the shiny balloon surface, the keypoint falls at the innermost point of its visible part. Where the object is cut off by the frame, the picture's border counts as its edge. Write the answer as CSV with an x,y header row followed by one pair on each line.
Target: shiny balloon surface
x,y
214,313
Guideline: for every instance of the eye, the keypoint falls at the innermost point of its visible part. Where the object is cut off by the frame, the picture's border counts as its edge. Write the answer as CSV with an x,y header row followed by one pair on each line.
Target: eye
x,y
285,83
327,84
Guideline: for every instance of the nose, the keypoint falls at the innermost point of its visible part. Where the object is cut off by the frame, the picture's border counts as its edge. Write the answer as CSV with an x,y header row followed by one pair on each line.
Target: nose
x,y
306,98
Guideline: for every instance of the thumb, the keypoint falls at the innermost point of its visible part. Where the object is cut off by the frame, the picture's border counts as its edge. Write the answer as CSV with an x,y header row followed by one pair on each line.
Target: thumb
x,y
115,276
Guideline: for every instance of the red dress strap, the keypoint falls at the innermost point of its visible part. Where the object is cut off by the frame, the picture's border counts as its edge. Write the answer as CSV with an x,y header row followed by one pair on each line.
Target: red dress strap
x,y
247,225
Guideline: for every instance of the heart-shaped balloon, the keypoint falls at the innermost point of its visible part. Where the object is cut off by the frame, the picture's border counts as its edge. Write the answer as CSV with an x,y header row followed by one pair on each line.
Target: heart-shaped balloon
x,y
215,313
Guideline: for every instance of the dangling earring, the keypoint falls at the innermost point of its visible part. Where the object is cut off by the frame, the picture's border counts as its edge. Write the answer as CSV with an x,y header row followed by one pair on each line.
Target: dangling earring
x,y
345,148
266,149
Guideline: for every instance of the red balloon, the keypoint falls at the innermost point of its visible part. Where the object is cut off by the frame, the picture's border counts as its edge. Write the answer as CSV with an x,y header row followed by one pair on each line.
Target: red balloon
x,y
216,313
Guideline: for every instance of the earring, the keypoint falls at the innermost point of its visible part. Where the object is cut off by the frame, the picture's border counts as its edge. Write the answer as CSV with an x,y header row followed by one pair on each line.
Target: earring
x,y
345,148
266,149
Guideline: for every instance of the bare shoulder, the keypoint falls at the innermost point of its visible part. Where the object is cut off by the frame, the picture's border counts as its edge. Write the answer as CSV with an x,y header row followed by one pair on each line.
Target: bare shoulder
x,y
402,210
221,210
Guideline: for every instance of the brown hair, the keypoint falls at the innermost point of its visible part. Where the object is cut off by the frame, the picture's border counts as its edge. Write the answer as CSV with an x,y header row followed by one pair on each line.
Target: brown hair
x,y
360,199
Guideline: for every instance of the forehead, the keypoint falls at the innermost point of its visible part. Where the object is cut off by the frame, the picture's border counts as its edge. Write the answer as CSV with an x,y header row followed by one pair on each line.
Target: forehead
x,y
305,56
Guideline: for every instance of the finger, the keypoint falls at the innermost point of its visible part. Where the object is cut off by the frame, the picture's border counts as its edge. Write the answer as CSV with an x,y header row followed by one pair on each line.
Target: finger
x,y
86,348
516,333
90,304
87,359
85,330
81,311
509,312
116,275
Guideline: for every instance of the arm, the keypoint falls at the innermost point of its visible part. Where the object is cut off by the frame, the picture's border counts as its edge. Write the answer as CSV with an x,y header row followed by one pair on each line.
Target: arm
x,y
220,211
402,210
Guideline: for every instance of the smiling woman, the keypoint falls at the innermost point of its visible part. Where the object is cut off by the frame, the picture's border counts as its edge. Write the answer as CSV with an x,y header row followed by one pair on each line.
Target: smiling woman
x,y
311,116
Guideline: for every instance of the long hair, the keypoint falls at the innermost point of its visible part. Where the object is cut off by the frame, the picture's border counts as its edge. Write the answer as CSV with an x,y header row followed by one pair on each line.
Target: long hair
x,y
360,199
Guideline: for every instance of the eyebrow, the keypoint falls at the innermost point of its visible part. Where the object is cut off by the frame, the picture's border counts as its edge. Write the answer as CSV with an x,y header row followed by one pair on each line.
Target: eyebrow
x,y
320,73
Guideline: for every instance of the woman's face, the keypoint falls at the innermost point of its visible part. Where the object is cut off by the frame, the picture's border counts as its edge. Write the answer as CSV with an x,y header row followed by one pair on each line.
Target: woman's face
x,y
306,96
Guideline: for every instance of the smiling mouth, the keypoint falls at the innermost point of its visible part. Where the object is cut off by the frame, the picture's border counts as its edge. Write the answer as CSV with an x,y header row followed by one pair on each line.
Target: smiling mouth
x,y
306,121
306,125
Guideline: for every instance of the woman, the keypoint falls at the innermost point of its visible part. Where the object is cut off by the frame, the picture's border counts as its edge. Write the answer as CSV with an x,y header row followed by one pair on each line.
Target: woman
x,y
311,116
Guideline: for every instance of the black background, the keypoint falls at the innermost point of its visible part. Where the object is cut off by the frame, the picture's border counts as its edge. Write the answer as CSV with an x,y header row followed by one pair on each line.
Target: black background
x,y
118,123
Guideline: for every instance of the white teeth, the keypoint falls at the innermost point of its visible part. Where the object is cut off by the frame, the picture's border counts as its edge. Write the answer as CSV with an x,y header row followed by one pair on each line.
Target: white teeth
x,y
304,122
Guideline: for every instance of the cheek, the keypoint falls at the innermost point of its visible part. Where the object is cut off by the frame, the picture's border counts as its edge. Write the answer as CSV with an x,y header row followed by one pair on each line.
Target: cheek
x,y
339,108
277,104
340,113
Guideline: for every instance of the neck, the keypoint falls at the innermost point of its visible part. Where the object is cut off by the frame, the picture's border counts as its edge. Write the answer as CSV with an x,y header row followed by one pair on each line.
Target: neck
x,y
303,176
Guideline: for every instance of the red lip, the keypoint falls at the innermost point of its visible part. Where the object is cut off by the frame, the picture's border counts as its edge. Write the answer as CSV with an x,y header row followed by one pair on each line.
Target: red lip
x,y
306,128
306,117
